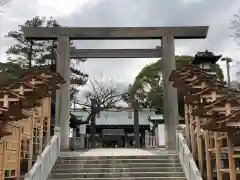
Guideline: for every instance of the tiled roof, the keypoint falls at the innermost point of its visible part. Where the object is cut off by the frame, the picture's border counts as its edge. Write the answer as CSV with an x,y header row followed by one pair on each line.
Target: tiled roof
x,y
116,118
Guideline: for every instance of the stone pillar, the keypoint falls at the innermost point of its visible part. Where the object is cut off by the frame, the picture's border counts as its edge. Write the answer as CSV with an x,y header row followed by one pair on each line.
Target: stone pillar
x,y
74,136
125,139
82,131
87,143
63,94
136,124
157,135
162,136
170,93
146,139
82,141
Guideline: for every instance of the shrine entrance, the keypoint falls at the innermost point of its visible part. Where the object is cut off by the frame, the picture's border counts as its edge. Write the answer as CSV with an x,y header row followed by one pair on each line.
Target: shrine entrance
x,y
63,35
111,138
112,141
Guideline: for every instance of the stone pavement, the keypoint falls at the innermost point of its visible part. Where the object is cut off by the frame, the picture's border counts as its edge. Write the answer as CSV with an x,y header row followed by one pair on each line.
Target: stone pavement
x,y
117,152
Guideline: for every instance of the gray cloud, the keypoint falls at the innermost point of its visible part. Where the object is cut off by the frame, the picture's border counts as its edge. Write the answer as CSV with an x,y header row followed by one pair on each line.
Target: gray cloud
x,y
216,13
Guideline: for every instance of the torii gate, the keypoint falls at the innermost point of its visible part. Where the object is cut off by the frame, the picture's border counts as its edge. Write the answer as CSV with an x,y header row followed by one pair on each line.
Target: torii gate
x,y
63,35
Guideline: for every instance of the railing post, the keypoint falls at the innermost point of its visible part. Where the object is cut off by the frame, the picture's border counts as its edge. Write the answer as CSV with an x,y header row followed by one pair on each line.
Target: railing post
x,y
177,141
26,176
198,174
57,132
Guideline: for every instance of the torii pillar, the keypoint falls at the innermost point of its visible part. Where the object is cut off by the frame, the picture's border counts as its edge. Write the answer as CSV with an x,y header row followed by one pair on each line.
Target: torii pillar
x,y
170,93
62,114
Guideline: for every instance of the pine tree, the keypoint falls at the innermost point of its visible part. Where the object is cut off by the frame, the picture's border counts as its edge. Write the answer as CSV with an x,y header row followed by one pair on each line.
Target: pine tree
x,y
28,53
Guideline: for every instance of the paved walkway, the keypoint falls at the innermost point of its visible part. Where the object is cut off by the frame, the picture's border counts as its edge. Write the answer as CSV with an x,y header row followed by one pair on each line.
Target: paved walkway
x,y
117,152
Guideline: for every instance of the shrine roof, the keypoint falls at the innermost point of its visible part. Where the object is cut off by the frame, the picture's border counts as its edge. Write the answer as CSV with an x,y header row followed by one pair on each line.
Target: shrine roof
x,y
213,127
191,74
38,73
209,80
21,83
116,117
200,74
205,107
185,88
188,69
229,98
29,99
211,123
234,116
213,116
206,57
11,94
218,88
220,124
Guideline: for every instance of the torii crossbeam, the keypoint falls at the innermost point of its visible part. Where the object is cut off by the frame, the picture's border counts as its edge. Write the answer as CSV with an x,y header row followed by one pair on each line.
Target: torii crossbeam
x,y
104,33
115,53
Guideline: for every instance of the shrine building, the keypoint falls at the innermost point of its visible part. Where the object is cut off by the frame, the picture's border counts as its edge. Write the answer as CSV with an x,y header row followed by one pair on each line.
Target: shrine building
x,y
115,128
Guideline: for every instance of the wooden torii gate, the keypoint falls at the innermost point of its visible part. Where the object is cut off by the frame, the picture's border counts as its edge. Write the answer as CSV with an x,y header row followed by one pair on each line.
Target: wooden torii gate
x,y
63,35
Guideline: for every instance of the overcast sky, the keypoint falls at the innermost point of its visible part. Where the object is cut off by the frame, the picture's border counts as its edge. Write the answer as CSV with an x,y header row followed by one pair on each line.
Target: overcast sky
x,y
215,13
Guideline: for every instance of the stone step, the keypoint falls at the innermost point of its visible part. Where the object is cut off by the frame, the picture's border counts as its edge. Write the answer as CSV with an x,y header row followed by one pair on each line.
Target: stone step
x,y
112,161
119,165
109,170
117,174
165,156
126,178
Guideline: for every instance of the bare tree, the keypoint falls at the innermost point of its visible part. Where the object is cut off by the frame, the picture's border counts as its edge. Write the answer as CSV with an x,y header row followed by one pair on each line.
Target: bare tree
x,y
102,95
235,26
3,2
105,92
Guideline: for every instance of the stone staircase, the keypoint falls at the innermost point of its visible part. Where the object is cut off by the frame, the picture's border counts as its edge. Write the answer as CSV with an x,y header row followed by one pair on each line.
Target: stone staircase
x,y
127,167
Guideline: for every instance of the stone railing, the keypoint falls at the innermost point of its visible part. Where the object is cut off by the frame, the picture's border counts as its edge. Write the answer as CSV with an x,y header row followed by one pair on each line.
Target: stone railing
x,y
152,142
186,159
45,162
